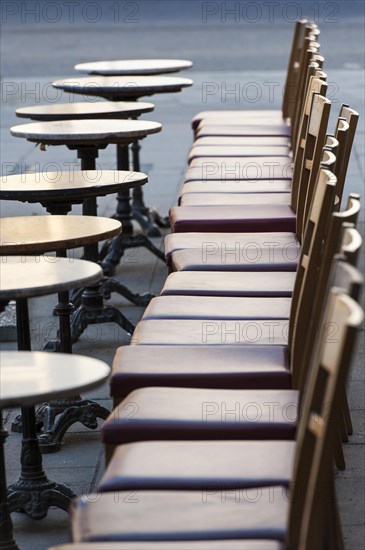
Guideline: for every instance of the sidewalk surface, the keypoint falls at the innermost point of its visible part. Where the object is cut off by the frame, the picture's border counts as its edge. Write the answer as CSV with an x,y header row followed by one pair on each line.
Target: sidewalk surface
x,y
240,59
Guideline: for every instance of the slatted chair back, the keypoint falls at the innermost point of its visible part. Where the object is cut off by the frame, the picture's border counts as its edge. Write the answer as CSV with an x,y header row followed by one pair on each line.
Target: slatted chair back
x,y
341,238
303,28
314,70
351,244
305,280
312,521
298,91
294,93
312,139
345,134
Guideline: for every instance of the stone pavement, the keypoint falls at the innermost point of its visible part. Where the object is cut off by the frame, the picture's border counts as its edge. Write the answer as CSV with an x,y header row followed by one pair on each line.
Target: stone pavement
x,y
80,462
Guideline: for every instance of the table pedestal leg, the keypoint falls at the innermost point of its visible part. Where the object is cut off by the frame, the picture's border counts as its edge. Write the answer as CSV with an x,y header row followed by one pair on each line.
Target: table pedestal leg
x,y
92,309
33,493
126,239
147,217
57,416
6,526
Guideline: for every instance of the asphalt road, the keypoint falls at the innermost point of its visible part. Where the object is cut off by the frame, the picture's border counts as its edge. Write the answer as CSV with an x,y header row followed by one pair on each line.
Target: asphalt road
x,y
47,38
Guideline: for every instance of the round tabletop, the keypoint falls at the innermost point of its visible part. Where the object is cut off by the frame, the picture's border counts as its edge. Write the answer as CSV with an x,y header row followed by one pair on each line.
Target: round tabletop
x,y
86,132
134,66
68,185
30,276
90,110
41,234
123,87
32,377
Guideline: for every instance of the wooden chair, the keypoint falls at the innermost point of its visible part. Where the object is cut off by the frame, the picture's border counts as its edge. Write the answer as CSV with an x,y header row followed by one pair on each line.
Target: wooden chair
x,y
266,215
257,148
344,134
240,464
235,127
197,307
215,331
216,120
301,520
304,175
198,168
231,367
302,29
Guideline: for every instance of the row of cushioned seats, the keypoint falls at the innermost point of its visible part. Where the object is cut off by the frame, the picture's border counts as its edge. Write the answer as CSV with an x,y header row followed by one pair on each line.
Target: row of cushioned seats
x,y
214,398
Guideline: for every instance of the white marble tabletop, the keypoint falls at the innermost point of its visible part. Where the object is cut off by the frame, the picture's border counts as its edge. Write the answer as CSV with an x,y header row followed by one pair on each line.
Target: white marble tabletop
x,y
85,109
31,377
134,66
41,234
67,185
30,276
86,131
123,86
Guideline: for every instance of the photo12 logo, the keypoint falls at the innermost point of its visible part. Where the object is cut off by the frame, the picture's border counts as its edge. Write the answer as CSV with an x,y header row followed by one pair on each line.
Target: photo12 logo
x,y
271,12
69,12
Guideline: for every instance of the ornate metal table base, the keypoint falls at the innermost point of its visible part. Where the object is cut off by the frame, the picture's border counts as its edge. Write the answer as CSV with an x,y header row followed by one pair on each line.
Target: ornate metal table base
x,y
85,316
56,417
6,526
148,218
117,248
34,493
110,285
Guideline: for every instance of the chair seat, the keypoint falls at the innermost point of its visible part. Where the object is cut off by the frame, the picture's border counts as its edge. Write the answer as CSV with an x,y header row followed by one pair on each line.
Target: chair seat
x,y
232,161
213,332
184,515
172,414
245,218
229,367
198,151
244,129
243,141
214,243
199,465
258,187
217,307
251,169
248,258
272,115
234,199
214,283
176,545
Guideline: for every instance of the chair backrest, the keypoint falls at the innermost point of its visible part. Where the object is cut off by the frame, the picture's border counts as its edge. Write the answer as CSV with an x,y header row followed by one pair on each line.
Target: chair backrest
x,y
315,119
344,133
303,28
314,70
341,238
305,280
298,90
310,514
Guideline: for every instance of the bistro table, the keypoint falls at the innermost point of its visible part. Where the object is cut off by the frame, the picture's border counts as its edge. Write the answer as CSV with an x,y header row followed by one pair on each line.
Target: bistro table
x,y
132,88
57,192
41,234
37,235
85,110
28,378
30,277
87,137
120,67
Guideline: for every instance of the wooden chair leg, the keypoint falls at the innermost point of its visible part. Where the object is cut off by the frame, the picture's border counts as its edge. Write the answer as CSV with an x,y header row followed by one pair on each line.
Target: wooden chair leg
x,y
343,428
338,453
347,415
